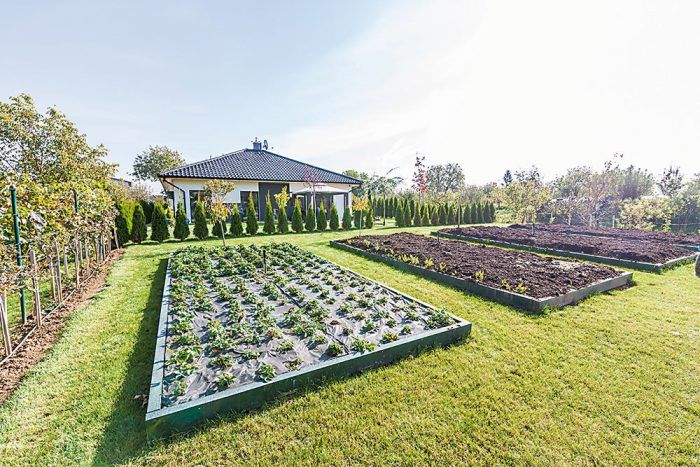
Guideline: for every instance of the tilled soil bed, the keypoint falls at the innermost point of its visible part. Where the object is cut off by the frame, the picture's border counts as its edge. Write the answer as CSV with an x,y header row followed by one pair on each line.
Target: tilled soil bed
x,y
517,271
676,238
619,248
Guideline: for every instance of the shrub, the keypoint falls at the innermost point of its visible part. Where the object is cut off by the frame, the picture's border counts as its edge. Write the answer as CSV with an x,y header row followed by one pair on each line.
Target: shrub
x,y
418,216
467,219
357,218
442,215
451,215
399,216
182,229
310,220
480,213
425,218
138,225
321,221
201,230
159,225
282,221
334,222
251,217
347,219
147,207
269,227
297,219
125,212
236,222
492,210
407,215
369,218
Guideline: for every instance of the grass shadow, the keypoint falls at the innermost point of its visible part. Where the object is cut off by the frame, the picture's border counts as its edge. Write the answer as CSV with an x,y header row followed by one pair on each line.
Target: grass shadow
x,y
124,436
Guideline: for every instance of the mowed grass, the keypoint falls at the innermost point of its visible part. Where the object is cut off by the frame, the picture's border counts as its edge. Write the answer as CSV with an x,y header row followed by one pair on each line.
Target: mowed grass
x,y
615,379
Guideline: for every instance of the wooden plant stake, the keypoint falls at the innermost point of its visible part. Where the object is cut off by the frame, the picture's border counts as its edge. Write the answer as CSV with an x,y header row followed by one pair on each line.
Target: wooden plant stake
x,y
65,259
5,328
116,239
35,284
87,257
97,250
77,263
52,277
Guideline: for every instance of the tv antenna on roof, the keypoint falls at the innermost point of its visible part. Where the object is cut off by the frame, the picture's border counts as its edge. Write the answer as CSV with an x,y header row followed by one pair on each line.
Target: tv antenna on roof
x,y
265,146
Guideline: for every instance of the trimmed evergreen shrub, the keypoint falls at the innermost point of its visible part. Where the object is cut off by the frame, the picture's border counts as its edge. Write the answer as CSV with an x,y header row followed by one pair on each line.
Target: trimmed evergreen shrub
x,y
125,212
435,216
138,225
297,219
321,220
251,217
452,215
269,227
492,211
236,227
357,218
425,218
310,220
369,219
218,228
147,207
334,221
201,229
479,213
347,219
407,216
182,228
418,216
442,215
399,216
282,221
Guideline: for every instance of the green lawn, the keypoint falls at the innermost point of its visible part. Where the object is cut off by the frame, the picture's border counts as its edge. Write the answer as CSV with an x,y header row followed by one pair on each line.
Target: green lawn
x,y
615,379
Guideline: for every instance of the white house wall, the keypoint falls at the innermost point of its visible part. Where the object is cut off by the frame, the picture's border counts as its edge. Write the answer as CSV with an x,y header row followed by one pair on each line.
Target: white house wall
x,y
188,185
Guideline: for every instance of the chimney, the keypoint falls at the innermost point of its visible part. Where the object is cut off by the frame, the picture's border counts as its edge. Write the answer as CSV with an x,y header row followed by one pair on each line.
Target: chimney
x,y
257,145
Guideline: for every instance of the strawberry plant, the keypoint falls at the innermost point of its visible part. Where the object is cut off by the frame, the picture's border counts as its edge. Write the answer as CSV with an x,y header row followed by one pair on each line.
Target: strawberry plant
x,y
266,372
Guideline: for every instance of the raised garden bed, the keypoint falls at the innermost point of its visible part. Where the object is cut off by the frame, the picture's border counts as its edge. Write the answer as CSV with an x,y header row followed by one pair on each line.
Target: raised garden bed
x,y
520,279
240,325
633,254
686,240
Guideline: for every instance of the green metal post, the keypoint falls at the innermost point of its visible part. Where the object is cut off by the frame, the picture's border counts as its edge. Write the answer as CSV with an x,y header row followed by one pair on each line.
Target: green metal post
x,y
18,242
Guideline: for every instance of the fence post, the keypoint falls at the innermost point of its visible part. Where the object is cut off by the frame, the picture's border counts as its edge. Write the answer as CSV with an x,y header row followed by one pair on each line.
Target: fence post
x,y
4,326
18,241
35,283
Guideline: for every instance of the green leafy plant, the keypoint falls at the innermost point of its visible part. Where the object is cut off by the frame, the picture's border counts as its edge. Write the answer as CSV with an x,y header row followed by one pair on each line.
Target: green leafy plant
x,y
334,349
225,380
266,372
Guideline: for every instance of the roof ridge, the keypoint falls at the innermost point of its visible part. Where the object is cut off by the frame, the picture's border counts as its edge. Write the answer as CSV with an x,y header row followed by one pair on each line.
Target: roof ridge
x,y
310,165
192,164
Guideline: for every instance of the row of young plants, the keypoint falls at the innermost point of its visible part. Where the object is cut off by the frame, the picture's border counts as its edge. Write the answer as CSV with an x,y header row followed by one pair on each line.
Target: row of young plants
x,y
248,313
410,213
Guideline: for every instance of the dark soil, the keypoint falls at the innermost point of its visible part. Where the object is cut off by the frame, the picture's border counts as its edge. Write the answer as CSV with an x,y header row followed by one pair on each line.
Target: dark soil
x,y
677,238
633,250
13,369
540,276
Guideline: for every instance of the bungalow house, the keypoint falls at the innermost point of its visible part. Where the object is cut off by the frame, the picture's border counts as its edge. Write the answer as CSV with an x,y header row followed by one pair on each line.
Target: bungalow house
x,y
259,171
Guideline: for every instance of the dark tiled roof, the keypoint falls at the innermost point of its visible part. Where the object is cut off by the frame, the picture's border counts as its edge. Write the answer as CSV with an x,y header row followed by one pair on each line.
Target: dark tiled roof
x,y
254,164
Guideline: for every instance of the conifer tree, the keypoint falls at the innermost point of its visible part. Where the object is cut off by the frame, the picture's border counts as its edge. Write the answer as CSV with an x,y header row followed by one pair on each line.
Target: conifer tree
x,y
418,216
442,215
282,221
357,218
269,227
479,213
369,219
236,222
407,215
297,219
334,221
425,218
347,219
399,216
435,216
125,212
310,219
452,215
492,210
321,219
182,228
218,228
138,225
201,229
159,224
251,217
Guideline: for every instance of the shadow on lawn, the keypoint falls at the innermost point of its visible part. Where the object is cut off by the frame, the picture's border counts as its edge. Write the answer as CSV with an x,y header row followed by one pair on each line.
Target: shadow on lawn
x,y
125,433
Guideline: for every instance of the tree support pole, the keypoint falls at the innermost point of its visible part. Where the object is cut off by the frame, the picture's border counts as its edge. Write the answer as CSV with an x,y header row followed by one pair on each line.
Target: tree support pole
x,y
18,242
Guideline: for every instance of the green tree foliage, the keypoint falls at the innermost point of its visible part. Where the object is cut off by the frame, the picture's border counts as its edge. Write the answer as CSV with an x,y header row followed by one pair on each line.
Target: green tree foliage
x,y
452,215
442,215
480,213
269,227
310,220
357,218
492,212
138,225
347,218
369,219
251,216
159,224
435,215
399,216
201,229
418,216
218,228
148,206
125,212
282,221
321,219
154,160
182,228
425,217
334,221
407,215
236,222
297,219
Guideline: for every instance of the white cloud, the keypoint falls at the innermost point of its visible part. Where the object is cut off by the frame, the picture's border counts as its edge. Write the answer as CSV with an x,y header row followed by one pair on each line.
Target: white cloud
x,y
509,84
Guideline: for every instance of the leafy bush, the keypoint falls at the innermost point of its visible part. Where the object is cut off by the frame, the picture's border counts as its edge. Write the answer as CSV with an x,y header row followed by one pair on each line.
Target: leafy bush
x,y
125,213
201,229
138,225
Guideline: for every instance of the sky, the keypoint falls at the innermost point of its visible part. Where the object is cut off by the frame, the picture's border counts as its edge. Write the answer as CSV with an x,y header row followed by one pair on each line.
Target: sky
x,y
367,85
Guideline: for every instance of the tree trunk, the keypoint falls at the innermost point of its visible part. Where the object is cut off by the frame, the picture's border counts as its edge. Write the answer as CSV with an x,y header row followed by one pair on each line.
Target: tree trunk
x,y
59,284
65,259
7,344
77,263
116,239
35,285
52,277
